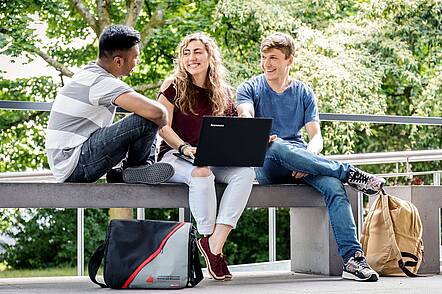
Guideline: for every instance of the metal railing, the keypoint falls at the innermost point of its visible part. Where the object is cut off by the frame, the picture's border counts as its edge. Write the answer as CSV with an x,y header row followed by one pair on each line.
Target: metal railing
x,y
357,159
371,158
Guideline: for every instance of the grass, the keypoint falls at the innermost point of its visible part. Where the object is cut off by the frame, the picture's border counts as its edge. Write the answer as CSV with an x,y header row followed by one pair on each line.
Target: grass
x,y
49,272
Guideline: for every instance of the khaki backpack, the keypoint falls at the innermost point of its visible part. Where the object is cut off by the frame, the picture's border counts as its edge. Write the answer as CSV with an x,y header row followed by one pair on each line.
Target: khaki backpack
x,y
392,237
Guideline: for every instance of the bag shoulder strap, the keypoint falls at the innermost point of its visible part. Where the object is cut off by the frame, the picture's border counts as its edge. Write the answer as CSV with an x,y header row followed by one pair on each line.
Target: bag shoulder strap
x,y
94,264
197,273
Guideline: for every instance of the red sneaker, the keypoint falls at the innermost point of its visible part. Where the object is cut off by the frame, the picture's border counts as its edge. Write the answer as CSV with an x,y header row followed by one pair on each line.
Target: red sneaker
x,y
215,263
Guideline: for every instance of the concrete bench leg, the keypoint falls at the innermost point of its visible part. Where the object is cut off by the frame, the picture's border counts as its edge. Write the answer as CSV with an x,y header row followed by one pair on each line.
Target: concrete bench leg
x,y
313,247
428,201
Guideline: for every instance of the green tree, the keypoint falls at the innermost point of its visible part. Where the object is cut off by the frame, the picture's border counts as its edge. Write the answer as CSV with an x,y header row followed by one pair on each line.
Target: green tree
x,y
47,237
331,58
72,28
70,23
359,56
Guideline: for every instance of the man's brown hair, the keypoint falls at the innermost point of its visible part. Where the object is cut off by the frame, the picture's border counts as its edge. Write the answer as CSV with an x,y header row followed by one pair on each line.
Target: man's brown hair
x,y
281,41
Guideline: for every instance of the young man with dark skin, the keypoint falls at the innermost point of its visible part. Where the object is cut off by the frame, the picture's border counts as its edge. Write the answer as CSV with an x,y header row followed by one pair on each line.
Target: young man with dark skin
x,y
292,105
82,142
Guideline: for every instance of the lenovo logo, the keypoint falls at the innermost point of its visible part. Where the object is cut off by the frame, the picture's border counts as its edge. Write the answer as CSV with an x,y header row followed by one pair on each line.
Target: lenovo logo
x,y
217,125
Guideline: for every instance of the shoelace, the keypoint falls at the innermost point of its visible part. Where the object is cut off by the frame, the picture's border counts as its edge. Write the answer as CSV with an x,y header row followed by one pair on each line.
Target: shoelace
x,y
361,262
361,177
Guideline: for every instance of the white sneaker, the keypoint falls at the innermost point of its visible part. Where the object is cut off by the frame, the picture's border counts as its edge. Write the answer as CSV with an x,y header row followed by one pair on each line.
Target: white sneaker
x,y
365,182
358,269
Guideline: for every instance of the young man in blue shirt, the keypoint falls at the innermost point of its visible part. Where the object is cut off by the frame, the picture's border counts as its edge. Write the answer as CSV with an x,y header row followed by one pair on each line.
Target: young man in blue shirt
x,y
292,105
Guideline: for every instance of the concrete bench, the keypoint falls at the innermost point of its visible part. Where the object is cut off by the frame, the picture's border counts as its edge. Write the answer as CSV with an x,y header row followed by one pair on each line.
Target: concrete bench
x,y
313,249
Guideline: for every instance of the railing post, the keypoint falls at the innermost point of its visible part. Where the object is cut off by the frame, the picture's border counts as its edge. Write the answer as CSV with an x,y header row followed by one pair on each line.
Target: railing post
x,y
272,234
436,178
140,214
360,215
80,241
408,169
181,214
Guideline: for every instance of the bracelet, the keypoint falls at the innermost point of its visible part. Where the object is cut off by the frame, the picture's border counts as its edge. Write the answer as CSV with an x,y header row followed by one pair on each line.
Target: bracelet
x,y
182,146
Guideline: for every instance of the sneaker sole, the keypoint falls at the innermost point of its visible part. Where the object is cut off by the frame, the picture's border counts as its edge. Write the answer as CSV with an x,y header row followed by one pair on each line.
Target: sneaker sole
x,y
350,276
203,253
152,174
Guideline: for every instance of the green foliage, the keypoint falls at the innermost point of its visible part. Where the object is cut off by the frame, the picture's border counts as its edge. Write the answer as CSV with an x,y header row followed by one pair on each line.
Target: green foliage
x,y
22,132
23,146
252,228
359,56
47,237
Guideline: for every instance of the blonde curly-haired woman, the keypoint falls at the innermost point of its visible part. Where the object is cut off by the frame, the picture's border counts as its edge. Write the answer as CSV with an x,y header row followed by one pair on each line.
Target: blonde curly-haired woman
x,y
198,88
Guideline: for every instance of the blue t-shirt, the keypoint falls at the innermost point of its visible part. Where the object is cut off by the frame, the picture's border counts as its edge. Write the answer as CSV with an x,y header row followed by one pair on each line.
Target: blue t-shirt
x,y
290,110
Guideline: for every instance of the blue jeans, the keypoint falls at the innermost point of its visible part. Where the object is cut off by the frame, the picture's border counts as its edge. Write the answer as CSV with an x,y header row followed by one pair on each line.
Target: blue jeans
x,y
326,176
131,138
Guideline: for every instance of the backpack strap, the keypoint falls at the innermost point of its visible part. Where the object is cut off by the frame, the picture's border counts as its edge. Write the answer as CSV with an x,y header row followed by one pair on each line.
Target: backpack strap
x,y
389,225
403,265
94,264
366,225
196,272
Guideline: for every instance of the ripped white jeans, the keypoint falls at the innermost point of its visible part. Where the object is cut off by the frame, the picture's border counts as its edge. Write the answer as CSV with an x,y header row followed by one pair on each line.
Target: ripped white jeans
x,y
202,196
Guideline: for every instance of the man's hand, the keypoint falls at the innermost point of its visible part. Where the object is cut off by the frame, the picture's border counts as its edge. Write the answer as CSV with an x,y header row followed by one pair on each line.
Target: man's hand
x,y
298,175
245,110
272,138
313,149
315,143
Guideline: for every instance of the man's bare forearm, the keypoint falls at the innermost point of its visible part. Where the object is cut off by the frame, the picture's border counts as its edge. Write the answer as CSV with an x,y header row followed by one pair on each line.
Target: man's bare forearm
x,y
246,110
147,108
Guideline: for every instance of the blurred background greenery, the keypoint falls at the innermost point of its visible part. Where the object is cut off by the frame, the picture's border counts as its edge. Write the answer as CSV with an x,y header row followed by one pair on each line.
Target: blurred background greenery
x,y
359,56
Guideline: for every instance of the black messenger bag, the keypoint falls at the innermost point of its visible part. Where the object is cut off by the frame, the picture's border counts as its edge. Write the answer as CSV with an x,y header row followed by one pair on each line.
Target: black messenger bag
x,y
148,254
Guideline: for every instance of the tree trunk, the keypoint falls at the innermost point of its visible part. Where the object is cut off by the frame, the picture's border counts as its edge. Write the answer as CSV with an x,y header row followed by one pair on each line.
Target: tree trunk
x,y
120,213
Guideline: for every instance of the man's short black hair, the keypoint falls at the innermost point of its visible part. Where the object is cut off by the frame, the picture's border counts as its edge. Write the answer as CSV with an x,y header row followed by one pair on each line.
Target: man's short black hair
x,y
117,37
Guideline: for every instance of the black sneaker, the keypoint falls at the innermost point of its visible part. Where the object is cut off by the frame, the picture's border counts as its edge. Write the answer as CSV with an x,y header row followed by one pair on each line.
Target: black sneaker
x,y
357,268
151,174
365,182
115,175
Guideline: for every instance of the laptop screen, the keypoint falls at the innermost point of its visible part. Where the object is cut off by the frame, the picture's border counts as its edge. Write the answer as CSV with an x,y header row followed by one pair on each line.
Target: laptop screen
x,y
233,141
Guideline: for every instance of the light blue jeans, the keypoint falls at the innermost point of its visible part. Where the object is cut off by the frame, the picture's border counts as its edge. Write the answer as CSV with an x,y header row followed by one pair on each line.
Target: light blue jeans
x,y
326,176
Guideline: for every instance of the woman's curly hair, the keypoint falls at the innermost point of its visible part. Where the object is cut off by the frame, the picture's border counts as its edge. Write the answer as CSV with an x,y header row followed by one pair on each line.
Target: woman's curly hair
x,y
215,83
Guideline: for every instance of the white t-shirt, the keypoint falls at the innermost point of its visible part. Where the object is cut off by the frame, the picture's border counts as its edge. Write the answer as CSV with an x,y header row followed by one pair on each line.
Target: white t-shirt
x,y
81,107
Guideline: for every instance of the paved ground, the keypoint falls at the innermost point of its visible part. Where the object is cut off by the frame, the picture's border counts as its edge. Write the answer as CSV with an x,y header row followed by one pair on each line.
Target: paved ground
x,y
243,283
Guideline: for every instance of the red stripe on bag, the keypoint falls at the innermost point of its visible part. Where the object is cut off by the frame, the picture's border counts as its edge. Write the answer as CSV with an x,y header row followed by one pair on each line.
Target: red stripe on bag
x,y
149,259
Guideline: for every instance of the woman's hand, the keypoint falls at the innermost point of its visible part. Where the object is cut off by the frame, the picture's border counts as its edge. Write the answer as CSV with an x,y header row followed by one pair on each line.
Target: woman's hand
x,y
189,151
